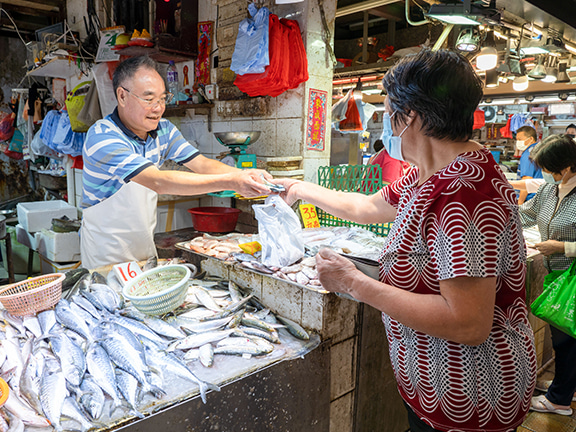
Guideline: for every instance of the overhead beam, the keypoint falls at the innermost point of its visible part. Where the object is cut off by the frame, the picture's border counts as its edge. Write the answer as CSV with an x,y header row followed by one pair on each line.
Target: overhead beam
x,y
388,16
32,5
362,6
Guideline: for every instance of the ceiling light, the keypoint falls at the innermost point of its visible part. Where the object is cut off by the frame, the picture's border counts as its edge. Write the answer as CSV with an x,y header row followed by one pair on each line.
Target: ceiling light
x,y
468,40
463,13
539,71
551,75
563,96
487,58
520,83
563,76
492,78
529,98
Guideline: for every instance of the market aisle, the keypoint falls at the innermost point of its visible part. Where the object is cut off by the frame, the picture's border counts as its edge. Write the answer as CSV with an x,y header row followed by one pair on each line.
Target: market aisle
x,y
541,422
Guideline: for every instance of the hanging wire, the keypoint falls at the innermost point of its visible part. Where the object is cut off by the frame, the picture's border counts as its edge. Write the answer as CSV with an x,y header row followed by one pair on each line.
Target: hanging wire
x,y
15,27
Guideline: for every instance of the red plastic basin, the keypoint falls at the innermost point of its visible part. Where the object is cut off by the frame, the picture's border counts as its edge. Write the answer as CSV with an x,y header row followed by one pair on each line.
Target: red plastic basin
x,y
214,219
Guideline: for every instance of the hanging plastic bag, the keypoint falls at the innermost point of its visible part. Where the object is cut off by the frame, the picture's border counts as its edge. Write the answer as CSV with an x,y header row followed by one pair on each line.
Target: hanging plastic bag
x,y
38,148
75,103
7,127
251,51
339,108
353,120
280,232
557,303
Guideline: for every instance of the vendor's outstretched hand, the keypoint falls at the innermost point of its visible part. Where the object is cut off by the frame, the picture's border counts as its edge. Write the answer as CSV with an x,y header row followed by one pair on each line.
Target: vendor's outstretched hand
x,y
335,272
250,183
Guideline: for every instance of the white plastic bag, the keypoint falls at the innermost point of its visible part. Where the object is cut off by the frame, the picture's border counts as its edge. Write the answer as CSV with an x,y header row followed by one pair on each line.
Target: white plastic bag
x,y
280,232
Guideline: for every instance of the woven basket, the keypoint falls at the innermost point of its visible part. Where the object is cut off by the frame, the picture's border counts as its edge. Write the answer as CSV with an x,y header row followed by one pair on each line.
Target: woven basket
x,y
32,295
160,290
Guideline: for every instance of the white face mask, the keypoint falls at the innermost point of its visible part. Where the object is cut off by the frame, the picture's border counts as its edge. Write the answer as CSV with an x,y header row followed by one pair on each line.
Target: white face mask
x,y
392,144
549,178
521,145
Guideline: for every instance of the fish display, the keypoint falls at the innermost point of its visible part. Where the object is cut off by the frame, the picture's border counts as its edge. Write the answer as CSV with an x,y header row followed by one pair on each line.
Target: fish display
x,y
349,240
94,355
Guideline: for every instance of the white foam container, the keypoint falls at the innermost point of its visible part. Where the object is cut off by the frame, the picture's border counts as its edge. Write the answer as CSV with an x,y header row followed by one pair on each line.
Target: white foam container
x,y
49,267
37,215
58,247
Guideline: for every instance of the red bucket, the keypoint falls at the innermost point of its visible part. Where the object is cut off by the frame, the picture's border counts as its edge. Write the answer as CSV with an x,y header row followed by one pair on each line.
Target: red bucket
x,y
214,219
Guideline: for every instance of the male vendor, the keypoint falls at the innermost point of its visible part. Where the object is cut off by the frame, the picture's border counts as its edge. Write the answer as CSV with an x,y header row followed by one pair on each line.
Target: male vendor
x,y
122,156
526,139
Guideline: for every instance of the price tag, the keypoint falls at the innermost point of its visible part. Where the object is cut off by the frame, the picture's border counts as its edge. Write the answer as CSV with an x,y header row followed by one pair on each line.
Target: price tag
x,y
309,216
126,271
107,42
251,247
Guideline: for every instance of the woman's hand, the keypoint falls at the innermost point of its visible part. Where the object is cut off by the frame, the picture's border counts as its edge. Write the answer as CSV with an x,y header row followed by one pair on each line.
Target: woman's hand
x,y
550,247
335,272
290,195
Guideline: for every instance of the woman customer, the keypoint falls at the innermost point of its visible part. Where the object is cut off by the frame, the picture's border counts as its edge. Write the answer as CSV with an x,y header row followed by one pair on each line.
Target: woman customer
x,y
452,271
552,210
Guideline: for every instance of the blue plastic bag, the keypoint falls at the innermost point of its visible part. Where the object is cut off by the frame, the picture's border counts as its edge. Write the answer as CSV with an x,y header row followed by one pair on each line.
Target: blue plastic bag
x,y
251,54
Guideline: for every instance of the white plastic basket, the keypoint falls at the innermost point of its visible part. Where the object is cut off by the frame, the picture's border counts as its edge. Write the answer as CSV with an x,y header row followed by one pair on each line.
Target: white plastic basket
x,y
159,290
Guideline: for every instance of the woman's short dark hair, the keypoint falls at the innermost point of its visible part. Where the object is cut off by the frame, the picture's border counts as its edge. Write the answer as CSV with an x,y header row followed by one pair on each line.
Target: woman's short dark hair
x,y
128,68
555,153
441,87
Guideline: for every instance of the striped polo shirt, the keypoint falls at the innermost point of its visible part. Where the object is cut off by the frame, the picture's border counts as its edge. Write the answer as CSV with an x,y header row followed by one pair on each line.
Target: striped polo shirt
x,y
113,155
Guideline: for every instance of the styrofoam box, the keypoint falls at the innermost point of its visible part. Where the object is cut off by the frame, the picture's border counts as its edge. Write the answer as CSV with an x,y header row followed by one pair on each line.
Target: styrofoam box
x,y
48,266
25,238
78,185
37,215
58,247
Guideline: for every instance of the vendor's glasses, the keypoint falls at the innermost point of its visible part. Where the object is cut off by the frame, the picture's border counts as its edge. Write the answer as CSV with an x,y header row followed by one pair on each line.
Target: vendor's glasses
x,y
150,102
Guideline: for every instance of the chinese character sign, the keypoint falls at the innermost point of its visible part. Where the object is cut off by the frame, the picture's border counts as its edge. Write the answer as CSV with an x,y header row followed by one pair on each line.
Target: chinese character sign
x,y
202,72
316,128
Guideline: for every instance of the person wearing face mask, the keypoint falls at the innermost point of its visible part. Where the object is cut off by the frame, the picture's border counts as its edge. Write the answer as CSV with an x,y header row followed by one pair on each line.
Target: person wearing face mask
x,y
452,270
571,130
122,178
526,139
552,210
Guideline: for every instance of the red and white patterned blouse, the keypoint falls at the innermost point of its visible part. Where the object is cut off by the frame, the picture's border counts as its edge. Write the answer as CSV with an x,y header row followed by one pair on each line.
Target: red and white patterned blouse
x,y
462,222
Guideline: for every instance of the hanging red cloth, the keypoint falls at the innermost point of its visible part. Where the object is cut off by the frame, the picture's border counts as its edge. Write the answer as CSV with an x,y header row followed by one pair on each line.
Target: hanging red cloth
x,y
288,62
505,131
479,119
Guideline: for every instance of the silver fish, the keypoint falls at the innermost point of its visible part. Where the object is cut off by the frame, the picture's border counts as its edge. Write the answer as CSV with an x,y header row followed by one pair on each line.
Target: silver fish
x,y
47,320
205,298
30,381
128,386
22,410
251,321
69,319
202,326
242,256
83,314
151,263
161,327
52,393
269,336
16,425
169,362
82,284
197,340
86,305
294,328
71,410
100,367
92,398
244,346
137,328
97,278
107,297
31,323
14,363
206,355
127,353
71,356
15,321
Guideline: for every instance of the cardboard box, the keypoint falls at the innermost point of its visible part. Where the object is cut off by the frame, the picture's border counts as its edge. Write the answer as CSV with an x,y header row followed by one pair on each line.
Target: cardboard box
x,y
58,247
37,215
49,267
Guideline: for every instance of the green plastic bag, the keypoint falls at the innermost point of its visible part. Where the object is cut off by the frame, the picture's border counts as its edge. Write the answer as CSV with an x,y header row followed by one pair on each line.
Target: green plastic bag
x,y
557,303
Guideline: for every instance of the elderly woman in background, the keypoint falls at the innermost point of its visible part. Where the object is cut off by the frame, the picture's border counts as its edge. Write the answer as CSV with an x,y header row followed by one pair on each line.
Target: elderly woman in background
x,y
552,210
451,286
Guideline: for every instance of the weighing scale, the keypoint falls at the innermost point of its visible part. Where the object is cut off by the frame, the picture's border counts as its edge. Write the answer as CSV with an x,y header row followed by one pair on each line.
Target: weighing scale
x,y
238,142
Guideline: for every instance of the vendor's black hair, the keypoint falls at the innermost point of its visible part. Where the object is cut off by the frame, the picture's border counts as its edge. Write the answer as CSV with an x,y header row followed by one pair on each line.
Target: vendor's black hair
x,y
529,131
128,68
555,153
571,125
378,145
441,87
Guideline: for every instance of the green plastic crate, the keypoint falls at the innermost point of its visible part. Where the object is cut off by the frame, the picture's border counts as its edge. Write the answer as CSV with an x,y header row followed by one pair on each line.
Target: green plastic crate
x,y
366,179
